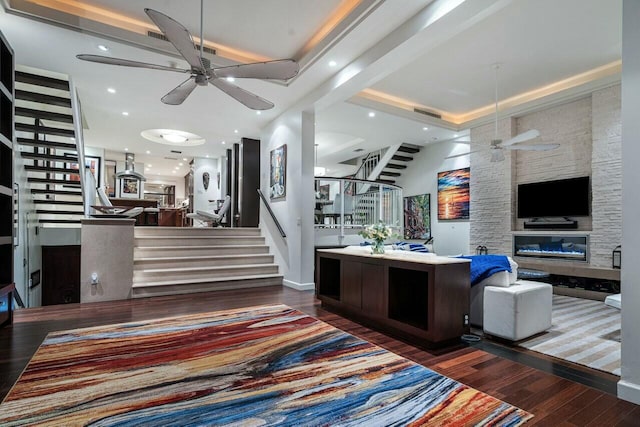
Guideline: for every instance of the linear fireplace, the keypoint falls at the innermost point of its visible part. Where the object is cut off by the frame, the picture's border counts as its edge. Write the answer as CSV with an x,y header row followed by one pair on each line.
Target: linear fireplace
x,y
568,247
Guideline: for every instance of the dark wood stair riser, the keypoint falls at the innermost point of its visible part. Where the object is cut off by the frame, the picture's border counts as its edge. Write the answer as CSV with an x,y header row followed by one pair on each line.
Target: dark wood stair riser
x,y
400,158
44,115
46,144
388,173
395,166
58,202
44,130
49,157
54,181
36,80
51,170
58,101
59,221
57,192
55,212
410,150
386,181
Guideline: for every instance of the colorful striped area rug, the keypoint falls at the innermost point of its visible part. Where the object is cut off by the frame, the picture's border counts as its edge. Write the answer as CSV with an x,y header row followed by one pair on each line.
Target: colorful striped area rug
x,y
584,331
260,366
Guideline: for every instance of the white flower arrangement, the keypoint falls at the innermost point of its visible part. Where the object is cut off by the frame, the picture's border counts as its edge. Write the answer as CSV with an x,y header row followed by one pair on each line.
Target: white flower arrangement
x,y
378,233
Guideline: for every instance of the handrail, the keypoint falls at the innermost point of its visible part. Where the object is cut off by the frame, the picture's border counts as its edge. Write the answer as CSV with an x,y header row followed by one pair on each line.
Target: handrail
x,y
77,127
273,216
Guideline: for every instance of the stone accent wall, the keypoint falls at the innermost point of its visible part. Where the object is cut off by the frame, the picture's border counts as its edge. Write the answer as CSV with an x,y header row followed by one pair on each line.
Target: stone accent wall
x,y
589,133
491,191
606,178
568,125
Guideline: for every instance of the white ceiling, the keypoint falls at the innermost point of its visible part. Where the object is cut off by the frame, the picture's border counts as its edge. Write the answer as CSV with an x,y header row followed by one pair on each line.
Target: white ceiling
x,y
537,41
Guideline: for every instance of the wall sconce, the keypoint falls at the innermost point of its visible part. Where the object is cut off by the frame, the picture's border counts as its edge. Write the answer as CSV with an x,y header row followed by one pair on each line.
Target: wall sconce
x,y
616,257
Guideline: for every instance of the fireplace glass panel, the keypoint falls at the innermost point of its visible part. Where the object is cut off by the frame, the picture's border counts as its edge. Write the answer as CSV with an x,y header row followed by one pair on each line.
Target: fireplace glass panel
x,y
567,247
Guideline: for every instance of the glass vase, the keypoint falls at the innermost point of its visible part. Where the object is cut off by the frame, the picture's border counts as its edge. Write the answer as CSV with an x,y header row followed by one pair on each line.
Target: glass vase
x,y
377,247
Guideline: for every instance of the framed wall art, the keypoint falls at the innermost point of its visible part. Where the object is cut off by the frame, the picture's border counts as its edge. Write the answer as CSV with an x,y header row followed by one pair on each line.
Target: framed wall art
x,y
417,217
278,173
453,194
130,188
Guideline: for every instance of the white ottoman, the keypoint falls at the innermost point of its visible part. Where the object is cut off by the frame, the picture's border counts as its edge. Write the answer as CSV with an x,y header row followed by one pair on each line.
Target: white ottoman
x,y
519,311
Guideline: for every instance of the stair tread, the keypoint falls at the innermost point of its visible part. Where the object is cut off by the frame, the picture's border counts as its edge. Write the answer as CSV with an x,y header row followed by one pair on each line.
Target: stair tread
x,y
51,169
58,212
198,237
205,268
44,130
52,157
44,115
61,192
395,166
401,158
199,247
59,221
53,181
27,95
206,280
58,202
197,257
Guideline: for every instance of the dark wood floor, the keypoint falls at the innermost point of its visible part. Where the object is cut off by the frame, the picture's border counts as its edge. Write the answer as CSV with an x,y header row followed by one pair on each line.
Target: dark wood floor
x,y
555,401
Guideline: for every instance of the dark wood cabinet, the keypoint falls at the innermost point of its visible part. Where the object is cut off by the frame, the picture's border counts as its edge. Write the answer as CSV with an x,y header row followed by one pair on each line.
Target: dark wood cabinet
x,y
423,299
60,274
7,287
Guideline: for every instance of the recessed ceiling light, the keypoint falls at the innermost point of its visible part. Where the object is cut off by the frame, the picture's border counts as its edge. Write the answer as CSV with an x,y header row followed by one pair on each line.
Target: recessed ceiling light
x,y
149,166
455,135
235,131
103,47
180,164
425,128
148,152
207,156
177,168
231,79
184,159
126,149
258,112
223,142
372,114
125,113
332,63
111,90
173,171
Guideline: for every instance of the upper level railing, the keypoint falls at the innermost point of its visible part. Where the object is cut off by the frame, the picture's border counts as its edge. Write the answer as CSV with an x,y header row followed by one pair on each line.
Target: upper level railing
x,y
343,203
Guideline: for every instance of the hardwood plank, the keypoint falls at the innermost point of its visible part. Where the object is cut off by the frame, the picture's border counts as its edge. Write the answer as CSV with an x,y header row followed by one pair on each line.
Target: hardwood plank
x,y
553,400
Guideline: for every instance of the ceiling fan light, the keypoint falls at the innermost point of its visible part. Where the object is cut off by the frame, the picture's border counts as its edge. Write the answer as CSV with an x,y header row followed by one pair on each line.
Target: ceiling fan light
x,y
174,138
497,155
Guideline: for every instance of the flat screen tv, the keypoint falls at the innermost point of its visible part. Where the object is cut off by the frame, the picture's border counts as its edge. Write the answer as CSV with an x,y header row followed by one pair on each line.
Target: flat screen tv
x,y
561,198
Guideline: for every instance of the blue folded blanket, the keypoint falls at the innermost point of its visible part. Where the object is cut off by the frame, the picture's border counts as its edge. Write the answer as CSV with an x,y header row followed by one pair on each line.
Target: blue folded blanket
x,y
483,266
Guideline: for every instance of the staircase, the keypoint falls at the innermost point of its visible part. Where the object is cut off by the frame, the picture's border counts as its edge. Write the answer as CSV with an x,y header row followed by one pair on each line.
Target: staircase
x,y
46,138
180,260
393,169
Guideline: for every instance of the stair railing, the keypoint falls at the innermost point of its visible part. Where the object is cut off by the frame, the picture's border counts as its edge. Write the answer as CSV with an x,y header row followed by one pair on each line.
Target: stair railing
x,y
76,110
273,215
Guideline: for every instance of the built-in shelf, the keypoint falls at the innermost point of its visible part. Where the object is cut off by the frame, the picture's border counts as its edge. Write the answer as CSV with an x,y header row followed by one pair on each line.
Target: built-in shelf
x,y
569,269
7,287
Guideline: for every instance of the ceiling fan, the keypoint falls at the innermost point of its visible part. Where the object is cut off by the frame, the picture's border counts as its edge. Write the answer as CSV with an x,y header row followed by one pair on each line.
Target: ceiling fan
x,y
514,143
201,72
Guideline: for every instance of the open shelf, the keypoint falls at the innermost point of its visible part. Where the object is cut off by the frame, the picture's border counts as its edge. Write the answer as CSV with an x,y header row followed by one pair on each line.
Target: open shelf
x,y
408,297
329,278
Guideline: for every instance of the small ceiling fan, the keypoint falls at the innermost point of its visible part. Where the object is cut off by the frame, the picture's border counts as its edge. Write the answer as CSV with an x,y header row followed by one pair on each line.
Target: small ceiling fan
x,y
514,143
201,72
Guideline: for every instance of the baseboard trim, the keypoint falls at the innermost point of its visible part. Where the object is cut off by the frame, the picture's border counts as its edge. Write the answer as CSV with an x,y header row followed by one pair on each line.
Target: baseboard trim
x,y
299,286
629,391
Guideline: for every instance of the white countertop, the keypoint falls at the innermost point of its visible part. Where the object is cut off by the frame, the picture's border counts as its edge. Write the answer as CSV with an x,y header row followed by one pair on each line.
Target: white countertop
x,y
419,257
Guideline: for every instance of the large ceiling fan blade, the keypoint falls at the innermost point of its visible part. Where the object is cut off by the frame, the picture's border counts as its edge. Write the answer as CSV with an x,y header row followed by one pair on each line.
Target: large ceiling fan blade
x,y
247,98
179,36
534,147
282,69
180,93
127,63
525,136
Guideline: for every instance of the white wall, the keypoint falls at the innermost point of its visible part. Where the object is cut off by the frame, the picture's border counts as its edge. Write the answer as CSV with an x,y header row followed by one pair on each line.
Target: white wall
x,y
201,196
629,385
421,177
295,211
